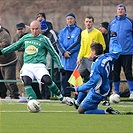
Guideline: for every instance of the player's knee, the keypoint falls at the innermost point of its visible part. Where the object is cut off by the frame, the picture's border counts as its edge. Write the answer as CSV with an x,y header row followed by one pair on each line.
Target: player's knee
x,y
27,80
46,79
81,110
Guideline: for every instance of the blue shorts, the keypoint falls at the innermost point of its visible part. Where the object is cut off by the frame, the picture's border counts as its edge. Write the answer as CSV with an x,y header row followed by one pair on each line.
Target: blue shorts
x,y
91,101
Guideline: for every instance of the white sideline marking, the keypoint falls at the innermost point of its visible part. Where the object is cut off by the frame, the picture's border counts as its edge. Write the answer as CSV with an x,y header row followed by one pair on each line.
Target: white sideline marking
x,y
20,111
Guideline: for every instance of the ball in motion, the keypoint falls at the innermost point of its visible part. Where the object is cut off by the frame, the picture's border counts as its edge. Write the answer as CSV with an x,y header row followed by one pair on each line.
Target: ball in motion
x,y
33,106
114,98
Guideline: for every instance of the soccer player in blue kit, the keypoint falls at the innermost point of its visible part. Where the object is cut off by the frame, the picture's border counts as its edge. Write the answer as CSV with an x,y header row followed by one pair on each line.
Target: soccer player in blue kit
x,y
98,85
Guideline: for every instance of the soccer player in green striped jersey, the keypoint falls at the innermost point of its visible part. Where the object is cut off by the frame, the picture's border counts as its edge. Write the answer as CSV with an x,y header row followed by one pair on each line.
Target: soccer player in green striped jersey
x,y
36,48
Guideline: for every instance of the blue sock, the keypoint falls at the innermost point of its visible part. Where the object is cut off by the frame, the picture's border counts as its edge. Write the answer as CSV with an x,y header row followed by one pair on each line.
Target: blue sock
x,y
116,87
130,85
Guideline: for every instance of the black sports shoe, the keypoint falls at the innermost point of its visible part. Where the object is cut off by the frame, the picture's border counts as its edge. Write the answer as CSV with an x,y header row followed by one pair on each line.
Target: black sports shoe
x,y
110,110
105,103
14,96
71,88
75,104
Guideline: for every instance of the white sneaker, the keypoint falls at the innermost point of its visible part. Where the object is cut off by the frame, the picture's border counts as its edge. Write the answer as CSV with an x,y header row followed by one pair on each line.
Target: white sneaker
x,y
131,95
67,101
64,100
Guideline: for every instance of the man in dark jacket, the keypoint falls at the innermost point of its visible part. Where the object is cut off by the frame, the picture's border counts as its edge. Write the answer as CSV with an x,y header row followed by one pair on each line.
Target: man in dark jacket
x,y
8,64
41,16
51,65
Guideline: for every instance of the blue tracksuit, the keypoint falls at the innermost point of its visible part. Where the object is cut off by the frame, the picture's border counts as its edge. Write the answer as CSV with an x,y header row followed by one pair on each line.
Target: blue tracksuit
x,y
123,26
99,86
69,40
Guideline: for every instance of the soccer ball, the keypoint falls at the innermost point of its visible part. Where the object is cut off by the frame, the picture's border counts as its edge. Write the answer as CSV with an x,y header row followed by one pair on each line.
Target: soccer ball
x,y
33,106
114,98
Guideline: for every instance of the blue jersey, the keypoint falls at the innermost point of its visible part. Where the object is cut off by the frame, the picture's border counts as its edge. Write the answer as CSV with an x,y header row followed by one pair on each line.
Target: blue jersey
x,y
100,71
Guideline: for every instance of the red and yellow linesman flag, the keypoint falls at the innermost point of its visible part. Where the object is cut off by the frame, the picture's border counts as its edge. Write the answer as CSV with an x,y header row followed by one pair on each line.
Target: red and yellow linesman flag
x,y
76,79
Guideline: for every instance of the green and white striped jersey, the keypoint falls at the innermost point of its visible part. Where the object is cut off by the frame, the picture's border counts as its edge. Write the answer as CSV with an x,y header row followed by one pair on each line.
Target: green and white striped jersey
x,y
36,48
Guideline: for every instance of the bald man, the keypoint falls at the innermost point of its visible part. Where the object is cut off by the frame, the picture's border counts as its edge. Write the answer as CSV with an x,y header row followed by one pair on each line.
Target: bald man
x,y
36,48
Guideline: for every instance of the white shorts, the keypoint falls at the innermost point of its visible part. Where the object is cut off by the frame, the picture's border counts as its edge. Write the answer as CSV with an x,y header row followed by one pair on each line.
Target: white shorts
x,y
34,71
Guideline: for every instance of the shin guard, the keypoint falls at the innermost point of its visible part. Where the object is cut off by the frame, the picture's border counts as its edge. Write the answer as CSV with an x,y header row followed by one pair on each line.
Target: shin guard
x,y
30,92
53,88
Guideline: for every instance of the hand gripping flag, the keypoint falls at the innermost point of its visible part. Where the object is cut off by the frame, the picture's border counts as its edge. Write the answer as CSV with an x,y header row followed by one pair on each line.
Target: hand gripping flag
x,y
75,79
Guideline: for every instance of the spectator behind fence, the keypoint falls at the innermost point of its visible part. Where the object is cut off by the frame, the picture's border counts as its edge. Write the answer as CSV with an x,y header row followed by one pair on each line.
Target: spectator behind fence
x,y
89,35
3,88
123,26
52,35
104,29
41,16
8,64
69,39
21,30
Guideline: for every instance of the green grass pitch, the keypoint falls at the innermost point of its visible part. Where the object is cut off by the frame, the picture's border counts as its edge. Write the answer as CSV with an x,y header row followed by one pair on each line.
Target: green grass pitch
x,y
60,118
